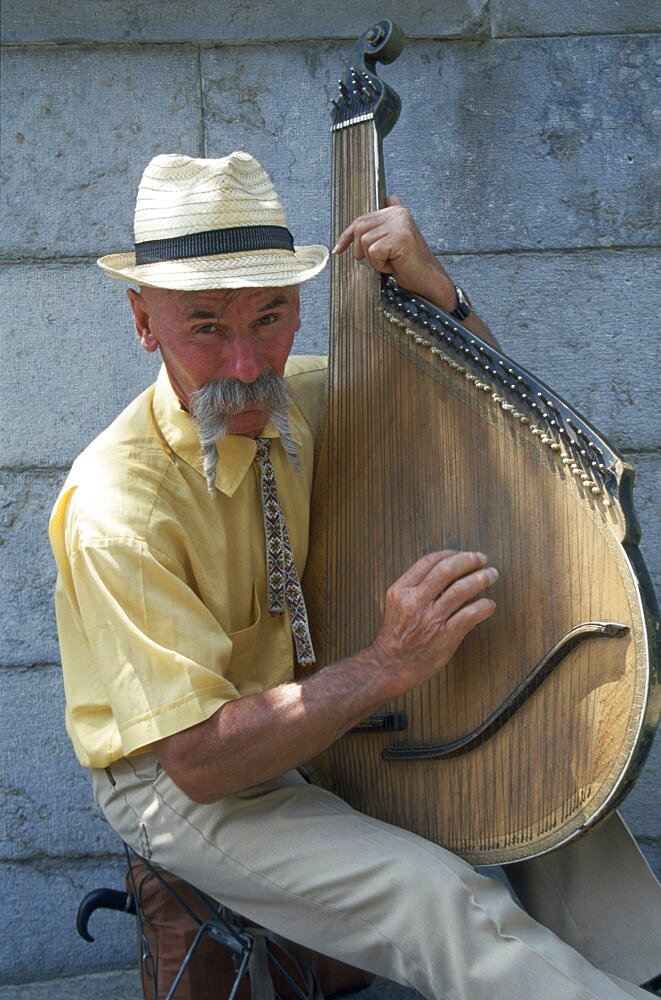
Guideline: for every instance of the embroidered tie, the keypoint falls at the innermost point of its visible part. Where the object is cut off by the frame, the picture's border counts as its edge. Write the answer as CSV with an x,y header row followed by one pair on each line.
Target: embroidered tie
x,y
283,584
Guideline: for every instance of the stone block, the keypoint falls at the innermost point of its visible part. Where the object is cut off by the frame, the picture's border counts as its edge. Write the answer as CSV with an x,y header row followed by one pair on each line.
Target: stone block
x,y
76,357
47,809
122,984
78,127
647,490
642,809
575,320
527,143
235,21
565,17
513,143
28,632
38,913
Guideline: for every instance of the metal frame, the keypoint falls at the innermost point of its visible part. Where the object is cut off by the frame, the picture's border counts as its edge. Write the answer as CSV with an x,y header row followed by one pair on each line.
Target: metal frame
x,y
221,925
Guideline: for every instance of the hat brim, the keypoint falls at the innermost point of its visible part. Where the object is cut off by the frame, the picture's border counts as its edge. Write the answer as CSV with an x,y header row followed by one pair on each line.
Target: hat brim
x,y
254,269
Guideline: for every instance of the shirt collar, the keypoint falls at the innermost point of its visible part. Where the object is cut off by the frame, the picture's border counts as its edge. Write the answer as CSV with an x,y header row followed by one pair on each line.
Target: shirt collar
x,y
235,452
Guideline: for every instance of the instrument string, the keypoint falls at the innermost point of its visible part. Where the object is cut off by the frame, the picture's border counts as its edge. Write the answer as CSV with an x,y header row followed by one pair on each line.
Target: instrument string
x,y
418,440
588,728
334,415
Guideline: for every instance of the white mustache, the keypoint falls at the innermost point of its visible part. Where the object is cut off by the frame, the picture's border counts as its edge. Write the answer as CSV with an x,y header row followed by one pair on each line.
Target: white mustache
x,y
222,397
218,399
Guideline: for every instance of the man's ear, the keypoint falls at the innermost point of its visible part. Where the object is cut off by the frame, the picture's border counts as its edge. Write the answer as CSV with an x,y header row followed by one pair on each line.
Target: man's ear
x,y
141,318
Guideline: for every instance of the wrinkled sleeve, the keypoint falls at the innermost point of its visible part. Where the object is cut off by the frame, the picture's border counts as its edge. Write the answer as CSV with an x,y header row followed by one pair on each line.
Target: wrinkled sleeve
x,y
158,652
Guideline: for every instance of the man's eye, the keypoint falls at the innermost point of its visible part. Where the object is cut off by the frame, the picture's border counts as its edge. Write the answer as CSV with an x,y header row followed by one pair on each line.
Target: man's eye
x,y
268,319
207,328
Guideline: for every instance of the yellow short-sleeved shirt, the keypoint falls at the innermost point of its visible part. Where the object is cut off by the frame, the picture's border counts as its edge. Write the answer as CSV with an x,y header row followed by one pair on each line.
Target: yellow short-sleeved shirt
x,y
161,590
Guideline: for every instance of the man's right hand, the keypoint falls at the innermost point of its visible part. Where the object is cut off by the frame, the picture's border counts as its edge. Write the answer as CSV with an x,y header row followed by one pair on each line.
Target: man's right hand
x,y
430,609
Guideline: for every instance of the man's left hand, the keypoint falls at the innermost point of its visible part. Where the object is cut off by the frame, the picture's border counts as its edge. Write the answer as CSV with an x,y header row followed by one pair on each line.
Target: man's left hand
x,y
391,242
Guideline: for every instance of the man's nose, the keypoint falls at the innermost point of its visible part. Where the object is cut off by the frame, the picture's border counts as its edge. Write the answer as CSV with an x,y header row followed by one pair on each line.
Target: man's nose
x,y
241,359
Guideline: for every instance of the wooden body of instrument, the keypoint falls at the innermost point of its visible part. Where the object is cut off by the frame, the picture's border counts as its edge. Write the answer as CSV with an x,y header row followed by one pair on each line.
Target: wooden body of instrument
x,y
538,726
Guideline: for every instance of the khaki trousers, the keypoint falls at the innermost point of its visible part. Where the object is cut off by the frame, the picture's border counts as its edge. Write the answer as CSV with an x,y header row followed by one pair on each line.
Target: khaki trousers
x,y
300,861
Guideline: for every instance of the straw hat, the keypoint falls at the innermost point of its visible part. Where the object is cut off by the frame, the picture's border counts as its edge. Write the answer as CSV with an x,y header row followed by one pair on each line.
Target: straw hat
x,y
211,224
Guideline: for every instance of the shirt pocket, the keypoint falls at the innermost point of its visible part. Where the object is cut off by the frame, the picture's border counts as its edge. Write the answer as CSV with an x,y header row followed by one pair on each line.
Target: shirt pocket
x,y
244,646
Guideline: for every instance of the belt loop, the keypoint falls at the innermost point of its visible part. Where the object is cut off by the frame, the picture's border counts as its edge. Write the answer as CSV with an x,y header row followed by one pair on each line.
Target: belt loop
x,y
110,778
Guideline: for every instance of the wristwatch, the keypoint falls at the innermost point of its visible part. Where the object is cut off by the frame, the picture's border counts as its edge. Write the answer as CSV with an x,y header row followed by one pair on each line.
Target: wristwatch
x,y
464,307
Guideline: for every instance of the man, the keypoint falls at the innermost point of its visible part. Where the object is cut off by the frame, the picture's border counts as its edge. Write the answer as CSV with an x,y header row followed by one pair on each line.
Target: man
x,y
180,538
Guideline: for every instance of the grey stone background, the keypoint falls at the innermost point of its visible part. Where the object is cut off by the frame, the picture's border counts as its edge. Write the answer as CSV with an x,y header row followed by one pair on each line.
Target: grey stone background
x,y
526,150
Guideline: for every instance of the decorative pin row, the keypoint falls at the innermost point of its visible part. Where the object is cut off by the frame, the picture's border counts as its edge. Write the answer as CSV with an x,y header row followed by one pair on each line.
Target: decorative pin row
x,y
541,434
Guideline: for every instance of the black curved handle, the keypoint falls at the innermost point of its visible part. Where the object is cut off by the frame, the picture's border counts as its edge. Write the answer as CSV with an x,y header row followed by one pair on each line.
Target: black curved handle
x,y
515,699
101,899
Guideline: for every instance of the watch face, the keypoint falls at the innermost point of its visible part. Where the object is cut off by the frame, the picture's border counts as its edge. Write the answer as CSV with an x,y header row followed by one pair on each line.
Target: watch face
x,y
463,304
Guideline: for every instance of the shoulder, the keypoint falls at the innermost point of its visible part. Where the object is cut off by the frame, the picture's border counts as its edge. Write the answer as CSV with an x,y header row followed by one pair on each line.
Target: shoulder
x,y
111,488
306,364
306,378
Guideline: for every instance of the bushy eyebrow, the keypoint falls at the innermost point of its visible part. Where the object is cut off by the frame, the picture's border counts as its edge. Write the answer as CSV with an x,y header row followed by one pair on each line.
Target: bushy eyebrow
x,y
277,300
201,314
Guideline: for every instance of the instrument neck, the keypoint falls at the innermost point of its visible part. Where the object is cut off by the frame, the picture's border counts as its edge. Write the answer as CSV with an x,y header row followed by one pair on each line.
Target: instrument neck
x,y
358,187
358,184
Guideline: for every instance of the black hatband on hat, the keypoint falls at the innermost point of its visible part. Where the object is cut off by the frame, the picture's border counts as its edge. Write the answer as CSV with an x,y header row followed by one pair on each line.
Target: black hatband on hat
x,y
235,239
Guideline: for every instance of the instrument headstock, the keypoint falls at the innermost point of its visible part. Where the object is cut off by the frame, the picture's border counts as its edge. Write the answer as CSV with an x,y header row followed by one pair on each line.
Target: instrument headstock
x,y
362,94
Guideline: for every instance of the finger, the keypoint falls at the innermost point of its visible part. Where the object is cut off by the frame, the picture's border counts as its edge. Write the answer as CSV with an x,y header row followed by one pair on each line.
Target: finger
x,y
464,620
377,242
392,200
413,576
367,232
356,230
353,233
344,240
443,574
464,590
379,249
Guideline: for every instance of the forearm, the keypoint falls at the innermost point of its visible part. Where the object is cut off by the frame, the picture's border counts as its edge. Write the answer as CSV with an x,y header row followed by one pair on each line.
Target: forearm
x,y
253,739
439,289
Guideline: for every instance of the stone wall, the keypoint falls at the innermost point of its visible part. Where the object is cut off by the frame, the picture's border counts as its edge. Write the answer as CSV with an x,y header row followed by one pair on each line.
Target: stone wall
x,y
525,149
